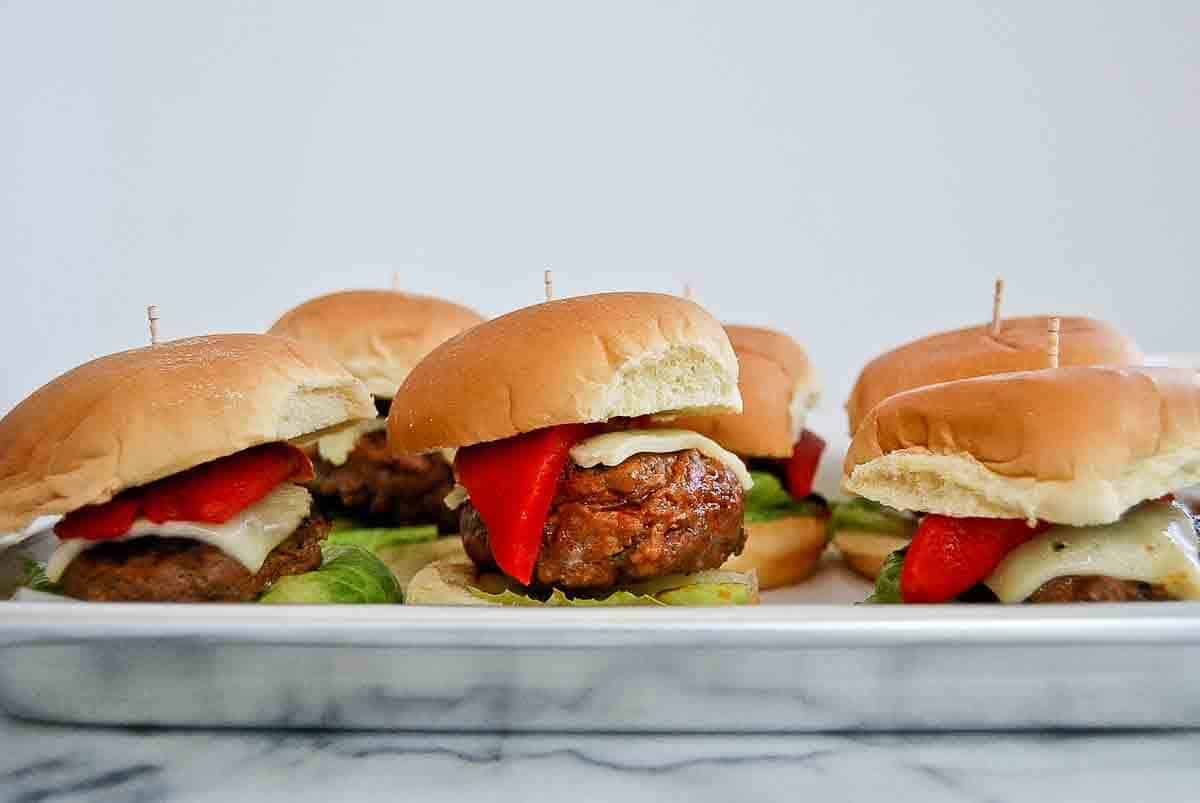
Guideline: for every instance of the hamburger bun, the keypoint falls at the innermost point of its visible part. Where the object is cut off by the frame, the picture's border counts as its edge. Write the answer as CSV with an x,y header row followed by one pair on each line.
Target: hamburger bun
x,y
865,551
137,416
379,335
1076,446
783,552
576,360
973,351
778,389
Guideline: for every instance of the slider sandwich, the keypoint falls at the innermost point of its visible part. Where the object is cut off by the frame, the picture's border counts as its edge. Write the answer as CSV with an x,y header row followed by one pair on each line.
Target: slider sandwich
x,y
174,467
785,522
566,493
865,533
378,335
1038,486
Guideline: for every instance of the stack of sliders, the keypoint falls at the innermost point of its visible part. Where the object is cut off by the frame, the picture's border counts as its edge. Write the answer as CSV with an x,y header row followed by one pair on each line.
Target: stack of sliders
x,y
864,532
368,490
785,522
566,495
1038,486
177,476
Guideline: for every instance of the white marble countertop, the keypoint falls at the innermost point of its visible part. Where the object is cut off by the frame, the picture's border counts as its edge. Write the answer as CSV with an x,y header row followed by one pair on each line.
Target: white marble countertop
x,y
57,763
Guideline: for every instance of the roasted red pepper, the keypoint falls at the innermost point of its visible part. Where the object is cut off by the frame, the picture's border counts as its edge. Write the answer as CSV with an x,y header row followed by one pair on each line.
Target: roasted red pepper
x,y
512,483
949,555
802,465
213,492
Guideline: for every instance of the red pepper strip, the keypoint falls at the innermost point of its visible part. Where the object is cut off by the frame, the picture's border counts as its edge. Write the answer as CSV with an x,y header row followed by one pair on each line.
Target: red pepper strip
x,y
213,492
802,465
512,483
101,522
949,556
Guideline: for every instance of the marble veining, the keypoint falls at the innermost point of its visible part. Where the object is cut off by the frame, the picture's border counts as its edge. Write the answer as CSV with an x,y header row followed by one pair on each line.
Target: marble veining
x,y
60,763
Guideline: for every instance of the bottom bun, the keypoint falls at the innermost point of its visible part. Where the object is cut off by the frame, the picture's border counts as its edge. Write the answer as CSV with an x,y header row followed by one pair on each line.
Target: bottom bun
x,y
866,551
783,552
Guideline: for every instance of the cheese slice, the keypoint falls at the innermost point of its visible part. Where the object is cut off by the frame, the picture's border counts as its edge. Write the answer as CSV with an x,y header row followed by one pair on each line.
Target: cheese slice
x,y
614,448
248,537
335,448
1154,543
458,494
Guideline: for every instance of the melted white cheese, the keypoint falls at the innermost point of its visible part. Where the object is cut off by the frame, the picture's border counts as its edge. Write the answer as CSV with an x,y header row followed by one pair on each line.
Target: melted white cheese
x,y
454,500
1153,543
248,537
614,448
335,448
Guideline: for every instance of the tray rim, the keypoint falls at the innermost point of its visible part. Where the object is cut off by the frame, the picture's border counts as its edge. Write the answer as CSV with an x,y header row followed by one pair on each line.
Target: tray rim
x,y
783,626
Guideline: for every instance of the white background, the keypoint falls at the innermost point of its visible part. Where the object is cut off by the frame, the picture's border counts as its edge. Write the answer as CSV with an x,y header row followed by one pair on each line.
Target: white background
x,y
855,174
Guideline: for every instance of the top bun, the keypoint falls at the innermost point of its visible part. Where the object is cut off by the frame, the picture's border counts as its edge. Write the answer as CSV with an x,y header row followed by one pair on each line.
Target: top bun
x,y
137,416
577,360
778,389
1074,446
379,335
964,353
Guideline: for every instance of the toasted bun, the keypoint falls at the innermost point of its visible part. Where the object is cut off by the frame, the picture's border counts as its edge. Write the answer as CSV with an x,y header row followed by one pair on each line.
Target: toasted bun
x,y
970,352
1073,446
137,416
778,389
783,552
865,552
577,360
379,335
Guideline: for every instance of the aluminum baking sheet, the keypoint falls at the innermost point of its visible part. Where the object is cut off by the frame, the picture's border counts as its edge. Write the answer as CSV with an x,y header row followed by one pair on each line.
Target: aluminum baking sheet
x,y
787,665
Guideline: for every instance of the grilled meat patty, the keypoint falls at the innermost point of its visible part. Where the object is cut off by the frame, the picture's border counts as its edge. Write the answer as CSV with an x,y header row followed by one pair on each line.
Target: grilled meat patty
x,y
653,515
377,485
1097,588
171,569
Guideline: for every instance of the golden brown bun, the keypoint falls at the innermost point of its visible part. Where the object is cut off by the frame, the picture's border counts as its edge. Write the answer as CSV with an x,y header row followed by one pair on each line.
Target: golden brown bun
x,y
137,416
1073,446
379,335
783,552
584,359
969,352
865,551
778,389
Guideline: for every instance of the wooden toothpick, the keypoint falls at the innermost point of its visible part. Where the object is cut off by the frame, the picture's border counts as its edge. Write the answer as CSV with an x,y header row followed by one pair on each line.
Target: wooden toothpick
x,y
396,281
1052,351
997,300
549,282
152,316
689,293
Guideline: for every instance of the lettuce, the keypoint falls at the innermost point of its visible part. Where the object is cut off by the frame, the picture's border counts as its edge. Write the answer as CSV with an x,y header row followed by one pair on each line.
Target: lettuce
x,y
375,538
864,514
768,500
35,578
349,575
457,581
887,584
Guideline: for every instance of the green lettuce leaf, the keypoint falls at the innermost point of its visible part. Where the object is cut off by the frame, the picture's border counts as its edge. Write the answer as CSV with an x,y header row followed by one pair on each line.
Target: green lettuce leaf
x,y
349,575
864,514
375,538
768,500
887,584
36,580
703,588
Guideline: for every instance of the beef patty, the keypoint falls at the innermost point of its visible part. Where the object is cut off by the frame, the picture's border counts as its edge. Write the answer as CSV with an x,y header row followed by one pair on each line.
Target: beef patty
x,y
378,485
169,569
653,515
1097,588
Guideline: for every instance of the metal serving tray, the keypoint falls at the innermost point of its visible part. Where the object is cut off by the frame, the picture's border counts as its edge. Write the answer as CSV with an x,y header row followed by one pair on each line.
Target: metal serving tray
x,y
777,667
